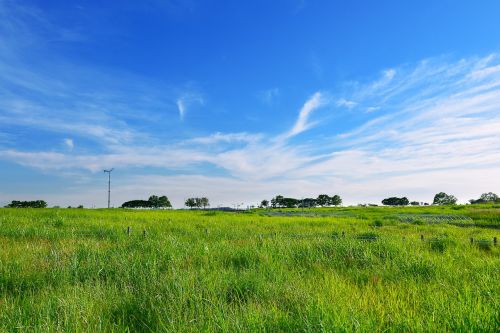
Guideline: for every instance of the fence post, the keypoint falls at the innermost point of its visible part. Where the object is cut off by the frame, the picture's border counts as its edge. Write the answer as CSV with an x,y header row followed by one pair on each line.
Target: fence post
x,y
144,233
343,234
129,230
495,241
421,237
471,240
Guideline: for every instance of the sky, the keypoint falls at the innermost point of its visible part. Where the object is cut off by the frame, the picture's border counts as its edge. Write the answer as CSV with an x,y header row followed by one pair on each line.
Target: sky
x,y
240,101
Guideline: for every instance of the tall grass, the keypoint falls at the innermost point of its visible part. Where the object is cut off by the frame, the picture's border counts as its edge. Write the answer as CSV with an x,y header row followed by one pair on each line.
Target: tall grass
x,y
79,270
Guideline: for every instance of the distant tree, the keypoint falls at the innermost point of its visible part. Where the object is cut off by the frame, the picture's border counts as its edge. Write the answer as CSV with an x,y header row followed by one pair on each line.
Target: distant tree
x,y
80,207
190,202
290,202
154,201
27,204
415,203
277,201
264,203
336,200
323,200
395,201
486,198
307,203
202,202
137,204
444,199
163,202
197,202
489,197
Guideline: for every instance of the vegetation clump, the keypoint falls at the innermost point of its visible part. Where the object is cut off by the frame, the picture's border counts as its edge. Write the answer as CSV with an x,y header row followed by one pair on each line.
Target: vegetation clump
x,y
153,202
395,201
444,199
486,198
27,204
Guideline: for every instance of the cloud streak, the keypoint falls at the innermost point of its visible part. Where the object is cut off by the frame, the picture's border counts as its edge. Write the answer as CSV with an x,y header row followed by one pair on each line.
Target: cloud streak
x,y
188,100
302,124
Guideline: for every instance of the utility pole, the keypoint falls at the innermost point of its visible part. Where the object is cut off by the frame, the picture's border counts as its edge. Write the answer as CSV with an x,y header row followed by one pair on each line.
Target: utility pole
x,y
109,185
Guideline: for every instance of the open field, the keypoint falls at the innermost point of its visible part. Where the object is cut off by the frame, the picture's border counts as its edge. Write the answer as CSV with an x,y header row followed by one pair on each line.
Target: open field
x,y
339,269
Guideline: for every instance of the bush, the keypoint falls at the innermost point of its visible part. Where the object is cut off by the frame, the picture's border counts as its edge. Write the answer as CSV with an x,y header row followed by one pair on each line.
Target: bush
x,y
444,199
27,204
395,201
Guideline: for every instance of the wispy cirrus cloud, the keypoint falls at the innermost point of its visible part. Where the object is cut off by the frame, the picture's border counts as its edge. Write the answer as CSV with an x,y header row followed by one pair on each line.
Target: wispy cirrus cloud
x,y
188,100
218,137
302,124
346,103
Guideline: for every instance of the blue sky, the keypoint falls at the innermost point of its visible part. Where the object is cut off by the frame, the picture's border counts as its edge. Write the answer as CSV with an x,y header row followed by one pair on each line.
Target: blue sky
x,y
242,100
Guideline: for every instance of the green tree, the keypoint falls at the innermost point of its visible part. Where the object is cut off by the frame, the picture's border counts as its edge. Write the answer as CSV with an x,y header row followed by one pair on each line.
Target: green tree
x,y
154,201
336,200
277,201
489,197
137,204
27,204
290,202
190,202
323,200
202,202
486,198
395,201
264,203
307,203
163,202
444,199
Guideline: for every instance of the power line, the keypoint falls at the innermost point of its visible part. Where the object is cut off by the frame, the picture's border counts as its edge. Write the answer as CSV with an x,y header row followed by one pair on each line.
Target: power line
x,y
109,185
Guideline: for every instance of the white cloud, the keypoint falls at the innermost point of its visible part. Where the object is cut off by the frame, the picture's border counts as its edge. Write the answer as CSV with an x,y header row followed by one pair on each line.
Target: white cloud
x,y
188,100
389,74
346,103
302,124
69,143
225,138
181,107
372,109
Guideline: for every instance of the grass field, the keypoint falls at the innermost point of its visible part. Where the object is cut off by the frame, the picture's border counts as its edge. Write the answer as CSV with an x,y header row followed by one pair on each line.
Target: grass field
x,y
339,269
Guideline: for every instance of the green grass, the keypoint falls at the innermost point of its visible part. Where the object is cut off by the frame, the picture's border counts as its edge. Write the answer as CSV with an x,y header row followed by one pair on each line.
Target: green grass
x,y
355,269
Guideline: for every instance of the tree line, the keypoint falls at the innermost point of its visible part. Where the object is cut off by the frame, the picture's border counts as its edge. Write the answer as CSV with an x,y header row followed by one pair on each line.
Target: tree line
x,y
27,204
197,203
322,200
441,199
489,197
154,201
279,201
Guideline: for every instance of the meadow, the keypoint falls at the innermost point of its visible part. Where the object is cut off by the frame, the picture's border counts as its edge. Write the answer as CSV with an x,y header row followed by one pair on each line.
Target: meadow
x,y
410,269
